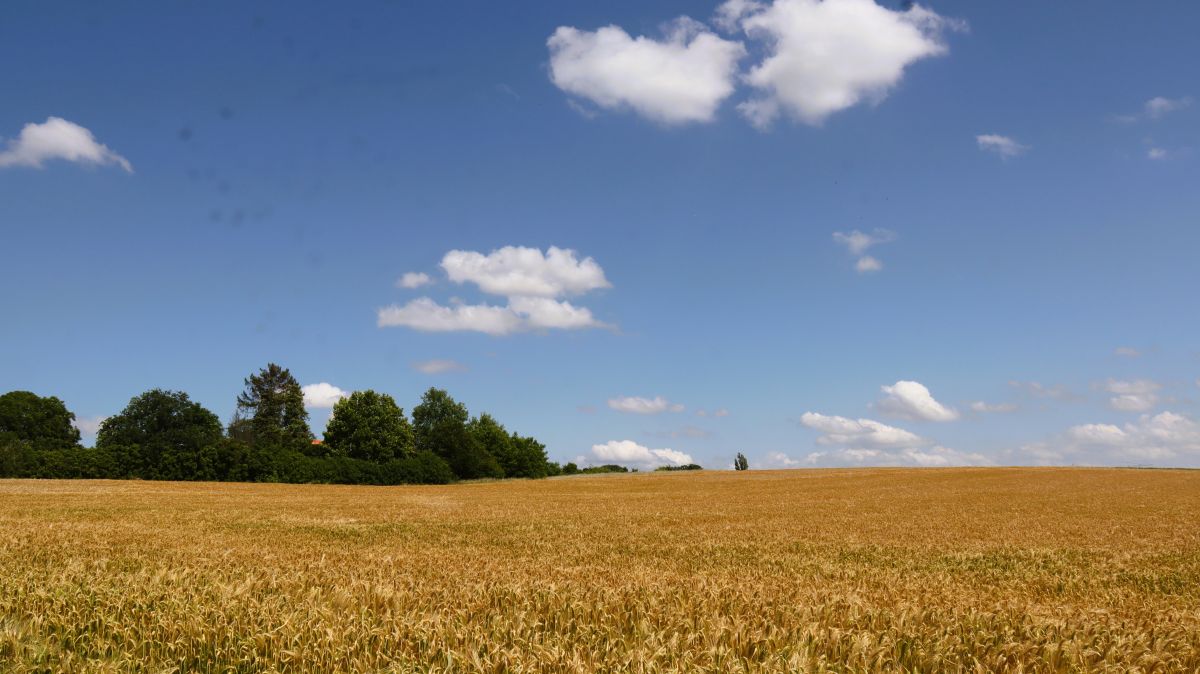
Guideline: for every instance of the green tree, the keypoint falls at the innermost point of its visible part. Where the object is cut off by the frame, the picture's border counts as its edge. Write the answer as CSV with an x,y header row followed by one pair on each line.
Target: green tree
x,y
440,426
740,462
494,439
163,435
274,403
528,459
41,423
369,425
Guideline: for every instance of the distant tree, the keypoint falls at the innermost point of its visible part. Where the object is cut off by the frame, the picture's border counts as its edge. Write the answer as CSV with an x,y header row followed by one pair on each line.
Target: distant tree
x,y
686,466
370,426
162,435
274,403
740,462
570,468
528,459
606,468
440,426
495,440
41,423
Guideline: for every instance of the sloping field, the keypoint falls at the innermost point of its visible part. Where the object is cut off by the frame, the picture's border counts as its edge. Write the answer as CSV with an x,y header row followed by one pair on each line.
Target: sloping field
x,y
866,570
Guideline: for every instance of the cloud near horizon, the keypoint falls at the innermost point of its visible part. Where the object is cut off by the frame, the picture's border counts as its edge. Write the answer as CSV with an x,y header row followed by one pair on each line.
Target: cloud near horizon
x,y
630,452
1166,438
866,442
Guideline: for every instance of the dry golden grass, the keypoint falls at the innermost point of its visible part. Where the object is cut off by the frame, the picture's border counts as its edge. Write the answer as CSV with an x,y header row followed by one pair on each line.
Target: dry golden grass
x,y
800,571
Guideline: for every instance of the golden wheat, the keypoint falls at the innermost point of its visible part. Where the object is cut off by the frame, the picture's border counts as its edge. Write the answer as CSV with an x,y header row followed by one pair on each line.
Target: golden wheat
x,y
981,570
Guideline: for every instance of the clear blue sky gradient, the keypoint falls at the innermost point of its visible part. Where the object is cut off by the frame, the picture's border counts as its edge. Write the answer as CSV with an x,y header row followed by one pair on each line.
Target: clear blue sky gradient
x,y
292,160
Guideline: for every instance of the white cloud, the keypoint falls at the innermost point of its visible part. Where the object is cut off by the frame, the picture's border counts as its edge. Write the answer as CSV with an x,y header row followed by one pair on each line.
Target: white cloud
x,y
826,56
1156,153
526,272
992,408
1132,396
428,316
414,279
1159,106
680,79
932,457
716,414
88,425
779,459
628,451
1002,145
438,366
530,279
544,313
721,413
867,264
911,400
322,395
857,243
859,432
865,442
56,138
522,314
1166,438
1126,351
637,405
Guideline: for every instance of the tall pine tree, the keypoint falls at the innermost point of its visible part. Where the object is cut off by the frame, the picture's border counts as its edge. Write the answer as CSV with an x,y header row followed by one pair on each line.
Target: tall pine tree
x,y
274,404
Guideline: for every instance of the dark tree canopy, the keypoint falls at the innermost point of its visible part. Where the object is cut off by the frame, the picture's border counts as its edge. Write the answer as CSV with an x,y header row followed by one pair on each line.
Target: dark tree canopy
x,y
162,435
41,423
370,426
274,403
740,462
440,426
527,458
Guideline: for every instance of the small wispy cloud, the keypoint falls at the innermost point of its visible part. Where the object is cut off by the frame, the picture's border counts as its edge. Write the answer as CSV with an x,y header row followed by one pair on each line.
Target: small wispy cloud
x,y
1160,106
438,366
858,242
413,279
638,405
1004,146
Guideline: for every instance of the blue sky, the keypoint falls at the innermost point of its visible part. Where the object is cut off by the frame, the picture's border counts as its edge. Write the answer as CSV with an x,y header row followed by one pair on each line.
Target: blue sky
x,y
1021,176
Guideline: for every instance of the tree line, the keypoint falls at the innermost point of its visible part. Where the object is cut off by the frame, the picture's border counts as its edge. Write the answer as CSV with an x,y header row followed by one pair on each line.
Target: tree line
x,y
164,435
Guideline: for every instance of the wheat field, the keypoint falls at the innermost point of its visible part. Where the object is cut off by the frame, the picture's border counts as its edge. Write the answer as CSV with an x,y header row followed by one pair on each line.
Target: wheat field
x,y
981,570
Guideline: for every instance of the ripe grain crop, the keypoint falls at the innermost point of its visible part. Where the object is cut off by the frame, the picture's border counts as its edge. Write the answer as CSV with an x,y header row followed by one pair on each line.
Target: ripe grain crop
x,y
981,570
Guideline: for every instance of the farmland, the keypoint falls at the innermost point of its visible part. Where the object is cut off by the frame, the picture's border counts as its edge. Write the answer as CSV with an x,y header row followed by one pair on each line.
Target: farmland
x,y
822,570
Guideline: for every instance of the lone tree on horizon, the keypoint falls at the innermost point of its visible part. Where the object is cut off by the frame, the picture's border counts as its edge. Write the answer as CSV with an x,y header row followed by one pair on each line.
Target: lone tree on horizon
x,y
740,462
